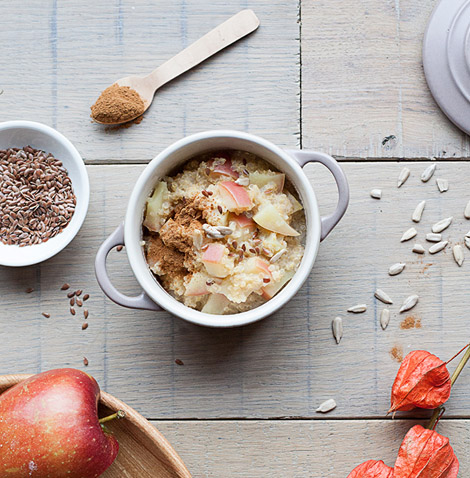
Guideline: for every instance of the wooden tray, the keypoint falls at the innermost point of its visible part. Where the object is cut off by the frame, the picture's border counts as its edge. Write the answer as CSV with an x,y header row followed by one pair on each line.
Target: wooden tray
x,y
143,450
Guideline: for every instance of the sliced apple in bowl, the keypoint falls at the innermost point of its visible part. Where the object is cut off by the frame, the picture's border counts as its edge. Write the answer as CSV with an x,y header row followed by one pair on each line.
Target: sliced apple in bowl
x,y
268,217
235,198
223,169
262,179
213,260
153,213
215,304
271,289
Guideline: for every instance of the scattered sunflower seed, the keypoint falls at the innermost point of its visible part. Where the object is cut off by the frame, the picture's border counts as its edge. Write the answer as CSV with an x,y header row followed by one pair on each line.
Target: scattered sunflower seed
x,y
427,173
466,213
383,297
457,250
358,309
418,212
337,327
442,184
438,247
409,303
467,242
384,318
396,268
326,406
403,176
409,234
419,249
433,237
376,194
441,225
212,232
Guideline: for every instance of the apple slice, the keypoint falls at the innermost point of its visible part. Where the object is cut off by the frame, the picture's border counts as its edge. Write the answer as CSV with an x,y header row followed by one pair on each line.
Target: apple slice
x,y
296,204
154,207
196,286
224,169
215,304
235,197
213,260
242,221
255,265
270,290
261,179
269,218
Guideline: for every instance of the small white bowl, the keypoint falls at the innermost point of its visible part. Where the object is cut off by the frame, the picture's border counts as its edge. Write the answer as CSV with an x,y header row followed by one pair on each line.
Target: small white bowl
x,y
17,134
154,297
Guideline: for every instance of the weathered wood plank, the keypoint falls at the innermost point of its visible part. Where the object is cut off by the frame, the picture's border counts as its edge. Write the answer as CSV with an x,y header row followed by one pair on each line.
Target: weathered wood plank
x,y
362,81
60,55
319,449
283,366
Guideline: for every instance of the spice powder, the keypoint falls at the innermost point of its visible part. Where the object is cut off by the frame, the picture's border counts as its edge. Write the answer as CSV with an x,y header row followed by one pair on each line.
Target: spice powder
x,y
117,104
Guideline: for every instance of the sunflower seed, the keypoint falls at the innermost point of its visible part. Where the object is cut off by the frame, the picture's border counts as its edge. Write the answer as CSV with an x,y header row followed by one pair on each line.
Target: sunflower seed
x,y
442,184
198,239
467,242
409,234
468,234
438,247
383,297
418,212
278,255
432,237
384,318
358,309
466,213
427,173
212,232
243,181
337,326
409,303
376,194
396,268
225,231
403,176
327,406
441,225
457,250
419,249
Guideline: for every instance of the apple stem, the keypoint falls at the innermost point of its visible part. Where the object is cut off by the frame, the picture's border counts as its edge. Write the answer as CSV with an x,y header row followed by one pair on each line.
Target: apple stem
x,y
119,414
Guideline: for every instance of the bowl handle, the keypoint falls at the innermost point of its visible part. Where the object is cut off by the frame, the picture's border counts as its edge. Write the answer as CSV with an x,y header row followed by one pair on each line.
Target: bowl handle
x,y
330,221
142,301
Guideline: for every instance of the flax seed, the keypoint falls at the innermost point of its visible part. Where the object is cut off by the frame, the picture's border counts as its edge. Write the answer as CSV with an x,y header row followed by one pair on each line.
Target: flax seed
x,y
72,301
72,310
78,302
46,315
65,287
86,297
85,313
85,325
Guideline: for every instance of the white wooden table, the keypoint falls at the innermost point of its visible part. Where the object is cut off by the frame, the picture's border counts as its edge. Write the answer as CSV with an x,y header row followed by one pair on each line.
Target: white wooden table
x,y
334,75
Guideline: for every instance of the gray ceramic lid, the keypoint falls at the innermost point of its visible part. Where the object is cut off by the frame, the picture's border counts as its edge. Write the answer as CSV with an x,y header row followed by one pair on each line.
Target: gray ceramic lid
x,y
446,59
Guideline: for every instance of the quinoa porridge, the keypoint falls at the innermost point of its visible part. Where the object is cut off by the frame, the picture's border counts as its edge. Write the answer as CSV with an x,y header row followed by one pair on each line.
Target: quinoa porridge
x,y
224,235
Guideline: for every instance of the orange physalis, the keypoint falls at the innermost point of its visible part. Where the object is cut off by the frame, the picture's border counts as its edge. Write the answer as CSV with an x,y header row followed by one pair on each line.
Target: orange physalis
x,y
422,381
425,454
372,469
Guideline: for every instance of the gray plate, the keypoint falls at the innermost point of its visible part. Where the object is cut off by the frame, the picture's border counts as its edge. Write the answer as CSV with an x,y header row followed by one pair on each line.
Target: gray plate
x,y
446,59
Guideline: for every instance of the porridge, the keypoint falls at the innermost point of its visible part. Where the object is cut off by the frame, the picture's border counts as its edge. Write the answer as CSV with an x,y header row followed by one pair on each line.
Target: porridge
x,y
224,235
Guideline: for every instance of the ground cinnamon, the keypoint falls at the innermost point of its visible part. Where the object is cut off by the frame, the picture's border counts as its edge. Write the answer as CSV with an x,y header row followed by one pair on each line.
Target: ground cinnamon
x,y
410,322
117,104
396,353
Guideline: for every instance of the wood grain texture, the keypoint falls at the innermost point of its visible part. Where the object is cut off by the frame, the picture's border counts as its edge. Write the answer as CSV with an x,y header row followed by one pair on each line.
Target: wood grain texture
x,y
296,449
286,364
71,51
362,81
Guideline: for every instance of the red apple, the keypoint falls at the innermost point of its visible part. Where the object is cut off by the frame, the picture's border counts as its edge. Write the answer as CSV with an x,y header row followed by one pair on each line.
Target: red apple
x,y
49,428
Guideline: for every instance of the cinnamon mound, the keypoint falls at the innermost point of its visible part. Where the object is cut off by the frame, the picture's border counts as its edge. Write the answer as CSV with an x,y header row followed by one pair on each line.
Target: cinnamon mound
x,y
117,104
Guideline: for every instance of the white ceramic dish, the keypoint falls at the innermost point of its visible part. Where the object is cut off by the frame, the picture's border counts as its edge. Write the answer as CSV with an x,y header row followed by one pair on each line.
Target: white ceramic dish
x,y
154,297
17,134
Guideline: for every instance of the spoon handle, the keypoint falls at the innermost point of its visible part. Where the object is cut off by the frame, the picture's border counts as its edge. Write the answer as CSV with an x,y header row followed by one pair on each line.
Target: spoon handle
x,y
217,39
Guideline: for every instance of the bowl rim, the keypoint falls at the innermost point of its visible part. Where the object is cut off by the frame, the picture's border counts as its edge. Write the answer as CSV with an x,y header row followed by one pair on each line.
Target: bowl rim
x,y
84,196
163,298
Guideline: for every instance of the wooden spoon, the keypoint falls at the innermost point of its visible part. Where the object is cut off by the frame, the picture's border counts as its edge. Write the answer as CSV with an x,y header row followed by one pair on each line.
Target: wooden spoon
x,y
217,39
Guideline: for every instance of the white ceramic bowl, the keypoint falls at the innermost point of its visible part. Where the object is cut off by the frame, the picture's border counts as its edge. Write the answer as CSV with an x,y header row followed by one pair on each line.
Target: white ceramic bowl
x,y
154,297
17,134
